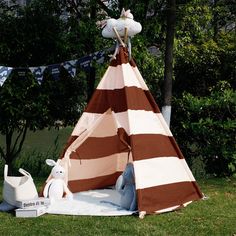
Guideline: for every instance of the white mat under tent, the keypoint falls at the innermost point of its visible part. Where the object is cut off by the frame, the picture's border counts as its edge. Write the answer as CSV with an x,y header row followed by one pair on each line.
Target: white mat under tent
x,y
104,202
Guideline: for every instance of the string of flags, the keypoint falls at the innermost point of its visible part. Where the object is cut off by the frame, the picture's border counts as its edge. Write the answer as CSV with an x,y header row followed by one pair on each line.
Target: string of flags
x,y
54,69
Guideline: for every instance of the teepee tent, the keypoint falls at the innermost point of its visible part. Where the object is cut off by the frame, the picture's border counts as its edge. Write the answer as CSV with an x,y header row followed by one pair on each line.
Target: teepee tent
x,y
121,124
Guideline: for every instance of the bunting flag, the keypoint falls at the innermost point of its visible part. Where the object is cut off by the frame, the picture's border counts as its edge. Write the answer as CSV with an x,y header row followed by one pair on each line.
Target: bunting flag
x,y
70,66
21,71
99,57
54,70
38,72
85,62
4,73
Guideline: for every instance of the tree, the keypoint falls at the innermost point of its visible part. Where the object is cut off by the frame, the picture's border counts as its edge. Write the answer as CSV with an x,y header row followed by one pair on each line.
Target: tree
x,y
168,74
31,36
201,60
25,105
19,111
204,88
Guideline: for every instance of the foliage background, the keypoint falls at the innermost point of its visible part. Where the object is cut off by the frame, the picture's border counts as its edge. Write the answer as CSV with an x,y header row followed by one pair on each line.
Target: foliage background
x,y
49,31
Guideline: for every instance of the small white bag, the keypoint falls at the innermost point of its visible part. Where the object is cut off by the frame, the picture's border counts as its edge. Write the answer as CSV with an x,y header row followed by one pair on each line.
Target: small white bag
x,y
18,188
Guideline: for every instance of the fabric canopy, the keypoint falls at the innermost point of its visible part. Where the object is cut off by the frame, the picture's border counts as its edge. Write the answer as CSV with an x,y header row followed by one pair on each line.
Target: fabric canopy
x,y
122,123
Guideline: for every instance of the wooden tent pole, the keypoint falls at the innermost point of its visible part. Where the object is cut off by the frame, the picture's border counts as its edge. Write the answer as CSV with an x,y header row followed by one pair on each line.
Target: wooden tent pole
x,y
118,37
126,35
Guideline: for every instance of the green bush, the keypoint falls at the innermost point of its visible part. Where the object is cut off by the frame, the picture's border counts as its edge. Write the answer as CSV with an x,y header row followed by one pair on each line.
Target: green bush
x,y
39,146
205,128
33,160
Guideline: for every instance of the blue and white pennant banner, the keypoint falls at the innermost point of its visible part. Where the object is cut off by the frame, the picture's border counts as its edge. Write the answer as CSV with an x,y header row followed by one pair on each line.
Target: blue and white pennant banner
x,y
54,70
4,73
38,72
70,66
84,62
99,56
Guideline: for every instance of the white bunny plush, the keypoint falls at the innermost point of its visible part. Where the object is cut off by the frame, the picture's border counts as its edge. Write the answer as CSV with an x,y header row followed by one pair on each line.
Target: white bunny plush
x,y
56,186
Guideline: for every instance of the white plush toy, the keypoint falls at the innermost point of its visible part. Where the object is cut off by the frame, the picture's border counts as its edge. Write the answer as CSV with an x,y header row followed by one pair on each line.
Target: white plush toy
x,y
56,186
126,21
121,29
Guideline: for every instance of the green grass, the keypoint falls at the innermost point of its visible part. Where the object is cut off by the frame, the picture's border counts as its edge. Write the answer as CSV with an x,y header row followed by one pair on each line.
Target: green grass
x,y
215,216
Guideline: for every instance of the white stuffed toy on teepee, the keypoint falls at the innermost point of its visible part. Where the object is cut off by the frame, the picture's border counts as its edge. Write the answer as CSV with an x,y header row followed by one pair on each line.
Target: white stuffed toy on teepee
x,y
121,29
126,21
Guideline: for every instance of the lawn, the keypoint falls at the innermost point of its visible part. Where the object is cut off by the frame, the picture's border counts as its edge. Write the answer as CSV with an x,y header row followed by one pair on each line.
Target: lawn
x,y
215,216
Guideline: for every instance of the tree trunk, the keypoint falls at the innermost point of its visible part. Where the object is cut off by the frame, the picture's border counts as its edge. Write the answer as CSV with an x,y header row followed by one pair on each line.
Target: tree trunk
x,y
8,155
168,73
91,76
14,146
10,167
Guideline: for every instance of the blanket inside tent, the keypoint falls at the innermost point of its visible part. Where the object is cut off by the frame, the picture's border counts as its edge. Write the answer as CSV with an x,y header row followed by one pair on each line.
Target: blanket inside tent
x,y
101,202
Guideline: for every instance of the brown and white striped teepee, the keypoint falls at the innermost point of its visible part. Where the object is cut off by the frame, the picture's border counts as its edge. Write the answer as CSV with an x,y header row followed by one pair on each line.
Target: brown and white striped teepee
x,y
121,124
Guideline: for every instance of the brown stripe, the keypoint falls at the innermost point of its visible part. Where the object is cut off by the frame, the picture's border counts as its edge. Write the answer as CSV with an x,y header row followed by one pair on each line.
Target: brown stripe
x,y
152,101
68,143
94,183
169,195
132,63
176,147
145,146
124,137
94,147
119,100
122,58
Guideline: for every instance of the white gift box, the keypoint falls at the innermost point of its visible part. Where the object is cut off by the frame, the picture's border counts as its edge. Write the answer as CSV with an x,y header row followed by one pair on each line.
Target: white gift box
x,y
41,201
31,211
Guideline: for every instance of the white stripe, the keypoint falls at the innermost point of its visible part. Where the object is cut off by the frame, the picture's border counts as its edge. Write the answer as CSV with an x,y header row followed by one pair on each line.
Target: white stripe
x,y
160,171
86,169
142,122
172,208
84,122
140,78
167,209
164,124
118,77
97,125
187,169
133,121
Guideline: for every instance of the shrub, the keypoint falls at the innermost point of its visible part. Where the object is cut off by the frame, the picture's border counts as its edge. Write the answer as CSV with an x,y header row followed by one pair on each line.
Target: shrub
x,y
205,128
